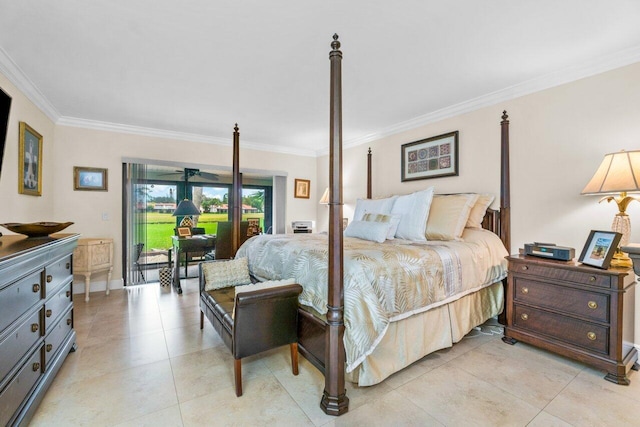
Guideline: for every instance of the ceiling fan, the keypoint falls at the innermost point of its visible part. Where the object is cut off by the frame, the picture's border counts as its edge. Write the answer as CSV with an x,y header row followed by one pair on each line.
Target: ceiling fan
x,y
195,175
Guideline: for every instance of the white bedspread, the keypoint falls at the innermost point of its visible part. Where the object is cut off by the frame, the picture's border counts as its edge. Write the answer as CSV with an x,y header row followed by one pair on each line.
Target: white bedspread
x,y
383,282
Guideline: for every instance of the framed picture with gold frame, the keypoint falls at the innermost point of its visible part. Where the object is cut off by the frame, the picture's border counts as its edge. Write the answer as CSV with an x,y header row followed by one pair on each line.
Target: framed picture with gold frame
x,y
302,188
29,161
90,179
184,231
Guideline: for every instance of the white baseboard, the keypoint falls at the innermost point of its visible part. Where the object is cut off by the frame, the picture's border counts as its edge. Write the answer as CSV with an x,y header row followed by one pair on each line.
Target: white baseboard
x,y
96,286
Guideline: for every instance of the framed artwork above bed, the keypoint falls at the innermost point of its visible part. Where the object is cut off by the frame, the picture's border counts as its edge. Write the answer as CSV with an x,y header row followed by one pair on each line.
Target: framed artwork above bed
x,y
433,157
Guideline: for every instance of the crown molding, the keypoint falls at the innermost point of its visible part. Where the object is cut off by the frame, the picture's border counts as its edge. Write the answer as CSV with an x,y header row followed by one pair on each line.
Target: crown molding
x,y
567,75
20,80
182,136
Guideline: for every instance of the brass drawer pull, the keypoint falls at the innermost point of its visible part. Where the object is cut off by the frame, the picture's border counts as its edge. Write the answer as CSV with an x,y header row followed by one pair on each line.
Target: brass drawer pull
x,y
592,278
524,316
49,278
49,347
36,287
68,265
525,267
525,290
36,367
592,305
34,327
68,321
591,336
68,294
48,313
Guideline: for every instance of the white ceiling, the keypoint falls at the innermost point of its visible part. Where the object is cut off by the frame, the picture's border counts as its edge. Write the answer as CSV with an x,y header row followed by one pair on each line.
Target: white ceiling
x,y
193,69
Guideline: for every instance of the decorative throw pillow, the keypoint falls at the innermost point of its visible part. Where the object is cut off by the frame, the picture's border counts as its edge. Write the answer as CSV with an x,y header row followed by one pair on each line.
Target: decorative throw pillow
x,y
223,274
382,206
413,210
392,220
368,230
449,215
479,209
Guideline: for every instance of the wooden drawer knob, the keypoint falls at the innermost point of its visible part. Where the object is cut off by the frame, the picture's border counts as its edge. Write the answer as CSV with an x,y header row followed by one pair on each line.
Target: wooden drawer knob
x,y
48,313
68,294
592,336
592,305
49,347
49,278
592,278
68,321
524,316
525,290
36,367
36,287
525,267
68,266
34,327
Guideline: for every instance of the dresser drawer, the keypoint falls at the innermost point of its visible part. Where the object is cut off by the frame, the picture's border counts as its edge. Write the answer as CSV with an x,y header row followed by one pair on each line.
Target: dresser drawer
x,y
16,344
56,273
18,297
56,336
563,274
19,388
56,305
587,335
571,301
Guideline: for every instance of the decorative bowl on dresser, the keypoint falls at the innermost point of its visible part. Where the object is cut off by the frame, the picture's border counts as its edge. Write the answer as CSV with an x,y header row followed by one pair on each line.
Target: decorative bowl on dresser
x,y
578,311
36,319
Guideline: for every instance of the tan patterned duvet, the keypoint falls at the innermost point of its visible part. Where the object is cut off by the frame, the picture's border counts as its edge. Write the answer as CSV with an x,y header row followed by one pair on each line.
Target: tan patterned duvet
x,y
383,282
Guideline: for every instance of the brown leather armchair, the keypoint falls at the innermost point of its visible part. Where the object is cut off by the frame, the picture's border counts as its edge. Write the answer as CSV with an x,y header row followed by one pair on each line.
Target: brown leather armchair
x,y
264,319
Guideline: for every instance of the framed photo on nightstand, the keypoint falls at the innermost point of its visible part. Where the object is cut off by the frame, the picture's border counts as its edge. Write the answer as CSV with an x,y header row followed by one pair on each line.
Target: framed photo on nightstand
x,y
599,249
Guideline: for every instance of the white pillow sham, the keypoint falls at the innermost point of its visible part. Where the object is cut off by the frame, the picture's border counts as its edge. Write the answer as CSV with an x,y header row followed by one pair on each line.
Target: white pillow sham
x,y
381,206
368,230
413,210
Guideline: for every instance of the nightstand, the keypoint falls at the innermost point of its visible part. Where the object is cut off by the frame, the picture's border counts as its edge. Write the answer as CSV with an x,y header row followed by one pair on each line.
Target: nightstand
x,y
578,311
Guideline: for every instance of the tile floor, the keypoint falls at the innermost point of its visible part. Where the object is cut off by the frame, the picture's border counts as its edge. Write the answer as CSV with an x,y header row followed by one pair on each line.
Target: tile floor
x,y
142,360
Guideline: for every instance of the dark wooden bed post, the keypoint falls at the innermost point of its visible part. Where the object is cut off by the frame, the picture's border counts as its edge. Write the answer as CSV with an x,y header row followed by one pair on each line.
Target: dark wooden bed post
x,y
236,192
369,196
505,190
334,399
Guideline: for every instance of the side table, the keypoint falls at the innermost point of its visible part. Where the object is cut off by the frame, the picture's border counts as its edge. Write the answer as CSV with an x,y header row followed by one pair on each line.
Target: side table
x,y
91,256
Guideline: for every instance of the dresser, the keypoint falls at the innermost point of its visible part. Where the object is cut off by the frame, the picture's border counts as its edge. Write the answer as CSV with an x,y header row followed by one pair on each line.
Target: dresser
x,y
36,319
91,256
577,311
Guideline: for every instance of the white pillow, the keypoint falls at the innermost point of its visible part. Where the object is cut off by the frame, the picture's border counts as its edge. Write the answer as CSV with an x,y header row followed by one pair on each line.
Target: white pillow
x,y
479,210
382,206
392,220
449,215
223,274
413,210
368,230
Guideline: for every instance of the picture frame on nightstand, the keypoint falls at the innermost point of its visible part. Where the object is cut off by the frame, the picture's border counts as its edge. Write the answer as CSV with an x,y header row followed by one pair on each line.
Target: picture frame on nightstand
x,y
599,249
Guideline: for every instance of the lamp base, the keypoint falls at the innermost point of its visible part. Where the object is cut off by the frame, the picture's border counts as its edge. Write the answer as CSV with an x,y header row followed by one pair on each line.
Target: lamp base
x,y
621,260
186,222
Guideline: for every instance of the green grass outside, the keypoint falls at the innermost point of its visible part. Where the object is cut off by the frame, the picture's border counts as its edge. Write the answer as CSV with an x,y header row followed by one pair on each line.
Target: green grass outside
x,y
160,226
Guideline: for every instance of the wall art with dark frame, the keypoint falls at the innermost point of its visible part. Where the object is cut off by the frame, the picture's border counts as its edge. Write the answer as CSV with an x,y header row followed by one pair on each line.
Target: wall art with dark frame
x,y
90,179
433,157
29,161
599,249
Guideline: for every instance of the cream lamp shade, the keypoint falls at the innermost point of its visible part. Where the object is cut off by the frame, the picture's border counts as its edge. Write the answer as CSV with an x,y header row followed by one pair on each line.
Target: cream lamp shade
x,y
618,174
324,200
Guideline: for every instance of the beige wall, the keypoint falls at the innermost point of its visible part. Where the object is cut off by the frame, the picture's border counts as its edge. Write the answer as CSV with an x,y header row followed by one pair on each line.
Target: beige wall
x,y
558,138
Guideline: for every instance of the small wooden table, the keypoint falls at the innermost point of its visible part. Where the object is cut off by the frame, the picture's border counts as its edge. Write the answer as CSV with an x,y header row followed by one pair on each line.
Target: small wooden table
x,y
198,243
91,256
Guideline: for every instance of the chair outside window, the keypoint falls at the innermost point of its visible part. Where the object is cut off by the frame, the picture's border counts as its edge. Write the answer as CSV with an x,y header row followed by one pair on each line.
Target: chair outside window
x,y
137,252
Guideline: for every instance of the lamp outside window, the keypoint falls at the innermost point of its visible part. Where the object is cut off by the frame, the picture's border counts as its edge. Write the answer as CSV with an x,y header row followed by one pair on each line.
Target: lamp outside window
x,y
618,174
187,209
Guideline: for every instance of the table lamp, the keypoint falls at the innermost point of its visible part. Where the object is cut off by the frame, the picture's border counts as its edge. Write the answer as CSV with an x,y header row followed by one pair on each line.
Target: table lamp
x,y
187,209
324,200
618,174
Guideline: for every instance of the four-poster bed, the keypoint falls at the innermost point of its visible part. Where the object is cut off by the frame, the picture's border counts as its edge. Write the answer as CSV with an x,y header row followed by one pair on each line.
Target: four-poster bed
x,y
322,333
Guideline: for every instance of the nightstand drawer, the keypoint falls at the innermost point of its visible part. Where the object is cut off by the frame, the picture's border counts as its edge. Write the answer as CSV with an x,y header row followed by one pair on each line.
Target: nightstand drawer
x,y
577,302
562,274
571,331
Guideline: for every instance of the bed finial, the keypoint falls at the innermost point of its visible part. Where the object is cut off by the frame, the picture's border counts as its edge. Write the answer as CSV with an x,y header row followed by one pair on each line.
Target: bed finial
x,y
505,117
335,44
236,128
